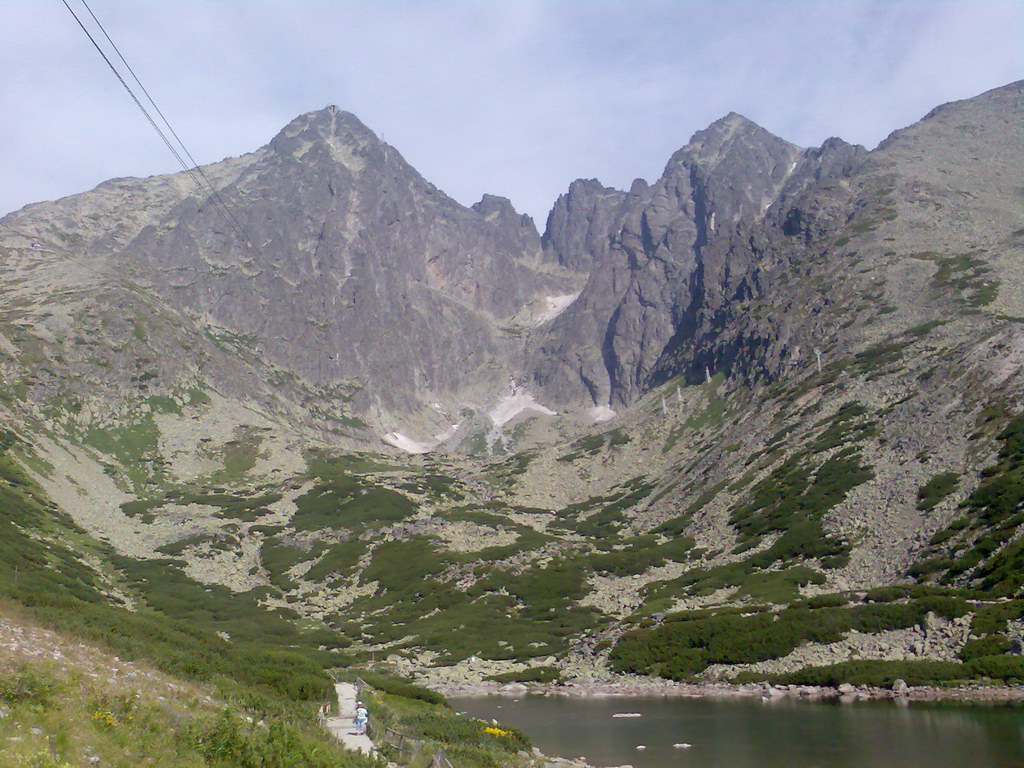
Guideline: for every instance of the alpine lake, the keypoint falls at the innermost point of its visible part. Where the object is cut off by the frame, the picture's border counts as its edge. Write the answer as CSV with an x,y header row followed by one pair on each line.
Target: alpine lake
x,y
751,733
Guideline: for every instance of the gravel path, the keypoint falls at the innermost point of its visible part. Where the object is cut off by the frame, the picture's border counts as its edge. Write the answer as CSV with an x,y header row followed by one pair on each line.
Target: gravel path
x,y
342,727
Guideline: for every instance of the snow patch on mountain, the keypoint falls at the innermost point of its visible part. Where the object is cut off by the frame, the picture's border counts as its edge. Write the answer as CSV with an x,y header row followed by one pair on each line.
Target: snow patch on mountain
x,y
514,403
556,305
406,443
440,437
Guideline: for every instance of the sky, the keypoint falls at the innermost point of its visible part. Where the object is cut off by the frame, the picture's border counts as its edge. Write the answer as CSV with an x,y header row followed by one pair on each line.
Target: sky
x,y
509,97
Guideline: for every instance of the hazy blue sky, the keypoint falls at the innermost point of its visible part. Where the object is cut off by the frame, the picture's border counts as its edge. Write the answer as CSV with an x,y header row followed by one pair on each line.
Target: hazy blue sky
x,y
512,97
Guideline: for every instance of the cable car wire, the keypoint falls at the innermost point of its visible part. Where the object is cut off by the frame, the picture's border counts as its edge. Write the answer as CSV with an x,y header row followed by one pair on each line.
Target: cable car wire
x,y
217,199
195,173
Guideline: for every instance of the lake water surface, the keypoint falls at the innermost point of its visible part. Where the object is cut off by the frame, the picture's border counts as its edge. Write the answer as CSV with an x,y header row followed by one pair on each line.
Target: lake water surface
x,y
749,733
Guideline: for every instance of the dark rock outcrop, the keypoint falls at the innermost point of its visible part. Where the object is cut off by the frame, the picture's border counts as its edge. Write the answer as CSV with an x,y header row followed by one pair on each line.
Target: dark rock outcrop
x,y
647,283
352,266
581,224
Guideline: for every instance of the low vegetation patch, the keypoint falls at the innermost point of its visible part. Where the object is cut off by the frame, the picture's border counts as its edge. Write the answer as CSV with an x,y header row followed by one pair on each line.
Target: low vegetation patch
x,y
936,489
428,726
70,714
350,503
530,675
969,276
687,642
882,673
981,547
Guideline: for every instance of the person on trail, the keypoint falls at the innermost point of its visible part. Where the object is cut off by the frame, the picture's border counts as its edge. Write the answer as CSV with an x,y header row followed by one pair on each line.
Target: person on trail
x,y
362,715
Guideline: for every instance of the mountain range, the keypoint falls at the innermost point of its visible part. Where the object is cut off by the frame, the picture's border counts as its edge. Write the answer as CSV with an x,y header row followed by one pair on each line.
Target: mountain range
x,y
777,384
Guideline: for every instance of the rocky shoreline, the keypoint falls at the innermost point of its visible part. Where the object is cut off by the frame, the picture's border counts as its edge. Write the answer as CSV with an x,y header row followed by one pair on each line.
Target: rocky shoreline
x,y
968,693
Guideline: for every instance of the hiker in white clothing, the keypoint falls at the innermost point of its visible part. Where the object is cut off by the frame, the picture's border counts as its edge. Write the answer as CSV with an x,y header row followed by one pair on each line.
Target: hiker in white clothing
x,y
362,715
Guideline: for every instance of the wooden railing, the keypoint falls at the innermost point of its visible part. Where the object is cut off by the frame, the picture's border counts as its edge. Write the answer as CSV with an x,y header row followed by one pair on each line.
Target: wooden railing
x,y
403,744
324,712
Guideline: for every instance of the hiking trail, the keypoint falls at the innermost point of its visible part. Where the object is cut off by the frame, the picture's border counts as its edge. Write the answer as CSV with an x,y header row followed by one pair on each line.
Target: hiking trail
x,y
341,725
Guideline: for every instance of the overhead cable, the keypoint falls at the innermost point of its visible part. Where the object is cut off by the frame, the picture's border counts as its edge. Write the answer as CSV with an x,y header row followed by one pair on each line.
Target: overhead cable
x,y
195,173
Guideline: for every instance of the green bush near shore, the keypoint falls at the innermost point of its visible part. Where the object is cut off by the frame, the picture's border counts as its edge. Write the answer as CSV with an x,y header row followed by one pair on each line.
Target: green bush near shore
x,y
530,675
882,674
399,686
992,619
976,648
686,644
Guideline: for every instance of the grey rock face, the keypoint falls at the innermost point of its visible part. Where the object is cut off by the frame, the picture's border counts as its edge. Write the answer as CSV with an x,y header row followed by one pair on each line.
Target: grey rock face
x,y
734,213
888,213
647,282
581,224
358,269
354,269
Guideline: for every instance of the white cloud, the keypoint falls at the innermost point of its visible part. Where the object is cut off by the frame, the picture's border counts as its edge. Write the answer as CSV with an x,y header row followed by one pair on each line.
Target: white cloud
x,y
516,98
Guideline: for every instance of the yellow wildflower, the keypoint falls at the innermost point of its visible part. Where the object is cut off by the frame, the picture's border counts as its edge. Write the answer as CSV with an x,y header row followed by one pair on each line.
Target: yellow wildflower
x,y
104,719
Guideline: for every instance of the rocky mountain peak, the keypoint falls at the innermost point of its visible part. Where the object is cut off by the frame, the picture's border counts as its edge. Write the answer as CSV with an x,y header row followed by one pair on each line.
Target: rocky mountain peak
x,y
494,205
724,127
331,127
733,134
363,271
578,227
645,254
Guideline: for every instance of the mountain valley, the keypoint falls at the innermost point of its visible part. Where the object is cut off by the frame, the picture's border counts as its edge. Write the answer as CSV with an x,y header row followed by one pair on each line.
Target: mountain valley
x,y
757,420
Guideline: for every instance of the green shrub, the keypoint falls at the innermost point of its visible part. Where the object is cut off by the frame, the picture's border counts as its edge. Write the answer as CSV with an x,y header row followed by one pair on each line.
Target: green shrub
x,y
228,740
991,619
885,594
922,330
530,675
618,437
585,446
968,275
779,586
466,741
827,601
347,502
687,642
23,685
936,489
844,427
878,356
877,673
993,645
795,496
399,686
640,555
1007,668
402,566
340,559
